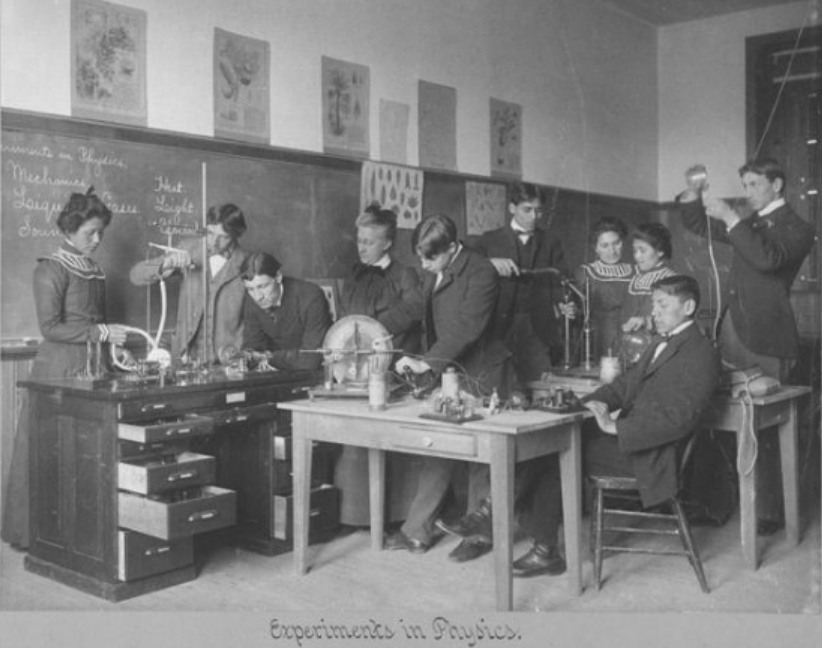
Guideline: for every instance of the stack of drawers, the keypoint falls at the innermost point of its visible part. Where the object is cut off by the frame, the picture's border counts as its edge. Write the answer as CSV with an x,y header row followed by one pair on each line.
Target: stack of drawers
x,y
166,495
325,498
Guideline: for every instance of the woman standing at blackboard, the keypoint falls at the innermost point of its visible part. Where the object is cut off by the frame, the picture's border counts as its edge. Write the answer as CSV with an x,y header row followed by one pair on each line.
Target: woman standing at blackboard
x,y
69,295
389,292
225,224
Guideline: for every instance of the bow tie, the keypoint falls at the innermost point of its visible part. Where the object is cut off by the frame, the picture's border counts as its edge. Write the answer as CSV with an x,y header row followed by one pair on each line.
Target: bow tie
x,y
362,269
762,222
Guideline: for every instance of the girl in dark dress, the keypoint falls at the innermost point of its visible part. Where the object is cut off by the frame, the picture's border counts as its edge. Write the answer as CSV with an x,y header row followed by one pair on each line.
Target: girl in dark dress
x,y
608,278
69,295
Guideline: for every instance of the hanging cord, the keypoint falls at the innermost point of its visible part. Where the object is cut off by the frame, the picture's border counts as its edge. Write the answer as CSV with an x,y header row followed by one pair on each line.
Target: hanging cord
x,y
717,285
748,445
783,83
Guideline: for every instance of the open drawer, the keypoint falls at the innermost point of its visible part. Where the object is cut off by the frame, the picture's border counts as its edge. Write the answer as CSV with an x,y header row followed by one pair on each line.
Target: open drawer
x,y
166,429
178,514
164,472
141,555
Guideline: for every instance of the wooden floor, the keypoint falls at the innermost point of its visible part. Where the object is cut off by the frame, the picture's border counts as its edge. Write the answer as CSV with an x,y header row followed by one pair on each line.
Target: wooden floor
x,y
347,575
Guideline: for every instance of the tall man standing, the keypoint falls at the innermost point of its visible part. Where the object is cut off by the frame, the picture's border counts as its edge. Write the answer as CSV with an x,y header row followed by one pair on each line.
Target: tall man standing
x,y
530,293
758,324
221,313
529,263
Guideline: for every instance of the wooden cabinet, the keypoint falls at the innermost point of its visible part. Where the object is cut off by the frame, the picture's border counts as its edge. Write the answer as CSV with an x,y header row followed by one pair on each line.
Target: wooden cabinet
x,y
124,475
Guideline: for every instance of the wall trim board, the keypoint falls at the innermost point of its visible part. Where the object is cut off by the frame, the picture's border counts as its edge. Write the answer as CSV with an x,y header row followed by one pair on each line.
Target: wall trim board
x,y
19,120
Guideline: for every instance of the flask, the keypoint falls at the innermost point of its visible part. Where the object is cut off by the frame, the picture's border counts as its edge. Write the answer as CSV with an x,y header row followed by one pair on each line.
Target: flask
x,y
609,369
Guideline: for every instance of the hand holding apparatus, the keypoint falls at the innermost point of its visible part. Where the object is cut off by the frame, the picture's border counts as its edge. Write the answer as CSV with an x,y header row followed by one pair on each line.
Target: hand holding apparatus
x,y
696,177
407,363
505,267
720,210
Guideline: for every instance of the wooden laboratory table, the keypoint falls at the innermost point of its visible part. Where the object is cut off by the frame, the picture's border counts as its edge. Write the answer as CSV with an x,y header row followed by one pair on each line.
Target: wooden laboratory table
x,y
500,441
773,414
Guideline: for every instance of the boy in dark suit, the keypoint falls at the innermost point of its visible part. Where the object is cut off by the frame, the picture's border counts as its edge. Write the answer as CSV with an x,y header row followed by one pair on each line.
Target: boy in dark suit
x,y
661,400
282,315
758,324
460,291
526,313
530,264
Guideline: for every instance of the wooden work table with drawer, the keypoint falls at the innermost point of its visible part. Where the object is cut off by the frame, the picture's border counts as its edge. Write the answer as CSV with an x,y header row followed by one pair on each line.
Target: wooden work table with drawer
x,y
125,475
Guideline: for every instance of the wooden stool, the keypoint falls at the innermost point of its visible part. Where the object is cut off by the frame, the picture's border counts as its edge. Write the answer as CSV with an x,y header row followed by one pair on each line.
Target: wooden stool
x,y
627,489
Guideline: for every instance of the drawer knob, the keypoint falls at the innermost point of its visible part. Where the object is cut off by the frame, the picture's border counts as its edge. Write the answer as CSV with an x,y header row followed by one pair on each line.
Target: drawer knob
x,y
157,551
202,515
153,407
427,442
190,474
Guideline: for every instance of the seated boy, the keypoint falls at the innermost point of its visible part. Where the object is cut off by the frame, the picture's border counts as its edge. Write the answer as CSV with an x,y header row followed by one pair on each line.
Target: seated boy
x,y
660,402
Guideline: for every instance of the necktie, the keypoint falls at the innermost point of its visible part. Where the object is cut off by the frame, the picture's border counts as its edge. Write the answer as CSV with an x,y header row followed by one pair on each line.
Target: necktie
x,y
661,343
362,269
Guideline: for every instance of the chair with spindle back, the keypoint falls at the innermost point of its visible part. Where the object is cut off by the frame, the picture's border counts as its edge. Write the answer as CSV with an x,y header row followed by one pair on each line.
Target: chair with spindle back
x,y
627,489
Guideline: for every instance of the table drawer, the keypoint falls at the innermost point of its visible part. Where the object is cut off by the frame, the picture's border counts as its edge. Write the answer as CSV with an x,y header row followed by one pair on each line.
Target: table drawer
x,y
410,437
166,472
141,555
166,429
323,514
265,412
179,514
131,450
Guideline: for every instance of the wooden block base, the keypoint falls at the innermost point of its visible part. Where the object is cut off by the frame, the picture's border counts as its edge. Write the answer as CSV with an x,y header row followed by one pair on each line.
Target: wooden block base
x,y
111,591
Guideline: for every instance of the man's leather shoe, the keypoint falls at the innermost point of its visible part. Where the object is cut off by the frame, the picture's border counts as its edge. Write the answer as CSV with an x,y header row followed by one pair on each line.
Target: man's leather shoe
x,y
475,523
399,541
541,559
469,550
768,527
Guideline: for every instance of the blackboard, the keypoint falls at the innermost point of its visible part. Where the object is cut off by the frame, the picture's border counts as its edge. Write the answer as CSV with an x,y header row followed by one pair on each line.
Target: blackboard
x,y
300,207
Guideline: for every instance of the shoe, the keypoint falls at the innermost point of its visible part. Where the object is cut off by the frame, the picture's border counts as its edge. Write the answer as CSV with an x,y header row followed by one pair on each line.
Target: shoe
x,y
541,559
768,527
469,550
476,523
399,541
706,521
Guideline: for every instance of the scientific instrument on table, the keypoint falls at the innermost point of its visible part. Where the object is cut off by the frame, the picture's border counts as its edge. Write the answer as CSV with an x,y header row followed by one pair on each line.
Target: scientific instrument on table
x,y
356,354
451,404
587,365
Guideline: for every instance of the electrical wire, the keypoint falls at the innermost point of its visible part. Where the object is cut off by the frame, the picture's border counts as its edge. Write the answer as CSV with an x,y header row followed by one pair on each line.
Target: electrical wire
x,y
782,84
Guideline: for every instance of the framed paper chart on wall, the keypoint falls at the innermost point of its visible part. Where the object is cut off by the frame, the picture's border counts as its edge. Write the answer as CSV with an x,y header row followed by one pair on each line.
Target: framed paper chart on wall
x,y
345,107
396,188
241,93
506,139
108,62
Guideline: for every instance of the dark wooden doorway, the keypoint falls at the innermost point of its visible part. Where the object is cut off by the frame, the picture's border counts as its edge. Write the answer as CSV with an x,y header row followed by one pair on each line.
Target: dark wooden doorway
x,y
784,121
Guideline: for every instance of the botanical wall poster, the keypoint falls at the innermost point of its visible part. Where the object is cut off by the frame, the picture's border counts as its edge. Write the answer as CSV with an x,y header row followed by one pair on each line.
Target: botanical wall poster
x,y
396,188
345,107
506,139
241,87
437,126
394,131
485,206
108,62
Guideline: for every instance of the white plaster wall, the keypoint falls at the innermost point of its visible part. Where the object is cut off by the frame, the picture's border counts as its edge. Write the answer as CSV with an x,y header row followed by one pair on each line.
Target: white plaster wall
x,y
702,94
584,74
